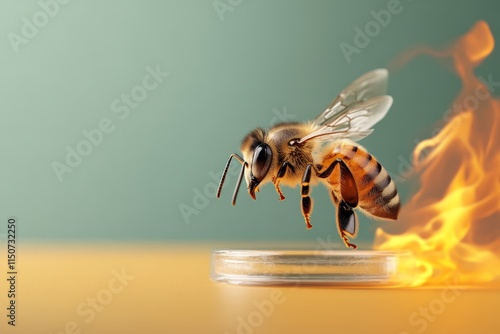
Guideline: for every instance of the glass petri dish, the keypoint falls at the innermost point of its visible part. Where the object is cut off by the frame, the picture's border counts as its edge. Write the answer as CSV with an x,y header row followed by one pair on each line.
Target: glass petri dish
x,y
343,268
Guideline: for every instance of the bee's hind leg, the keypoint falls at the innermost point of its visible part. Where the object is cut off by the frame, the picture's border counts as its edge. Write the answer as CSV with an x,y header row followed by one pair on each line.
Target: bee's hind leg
x,y
307,203
347,223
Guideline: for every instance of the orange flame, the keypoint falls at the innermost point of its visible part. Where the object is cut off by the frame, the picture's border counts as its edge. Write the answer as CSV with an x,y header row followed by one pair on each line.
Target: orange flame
x,y
452,224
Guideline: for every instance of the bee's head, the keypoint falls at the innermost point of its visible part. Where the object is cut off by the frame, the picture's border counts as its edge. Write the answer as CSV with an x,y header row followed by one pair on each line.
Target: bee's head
x,y
256,163
259,167
259,156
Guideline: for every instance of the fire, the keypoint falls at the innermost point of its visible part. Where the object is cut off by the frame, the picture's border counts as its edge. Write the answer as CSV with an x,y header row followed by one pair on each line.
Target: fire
x,y
452,224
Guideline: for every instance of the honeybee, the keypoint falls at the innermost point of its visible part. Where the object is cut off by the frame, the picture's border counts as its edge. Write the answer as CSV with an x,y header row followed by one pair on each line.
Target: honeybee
x,y
325,150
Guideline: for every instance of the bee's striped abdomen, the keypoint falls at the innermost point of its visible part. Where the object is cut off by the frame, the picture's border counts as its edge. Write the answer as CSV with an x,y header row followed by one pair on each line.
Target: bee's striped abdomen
x,y
376,190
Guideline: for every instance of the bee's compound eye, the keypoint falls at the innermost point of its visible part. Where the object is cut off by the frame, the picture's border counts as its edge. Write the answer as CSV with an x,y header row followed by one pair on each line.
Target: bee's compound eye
x,y
261,163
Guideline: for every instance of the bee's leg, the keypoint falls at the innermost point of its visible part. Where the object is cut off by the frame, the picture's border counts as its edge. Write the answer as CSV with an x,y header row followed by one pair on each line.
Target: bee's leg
x,y
347,223
307,203
341,220
276,179
348,189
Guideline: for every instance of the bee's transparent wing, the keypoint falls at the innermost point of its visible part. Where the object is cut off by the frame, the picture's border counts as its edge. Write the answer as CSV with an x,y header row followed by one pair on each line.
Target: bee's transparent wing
x,y
354,112
369,85
356,122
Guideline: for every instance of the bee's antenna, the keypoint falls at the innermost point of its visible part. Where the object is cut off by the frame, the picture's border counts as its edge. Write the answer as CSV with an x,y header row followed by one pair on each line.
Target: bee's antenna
x,y
238,183
223,178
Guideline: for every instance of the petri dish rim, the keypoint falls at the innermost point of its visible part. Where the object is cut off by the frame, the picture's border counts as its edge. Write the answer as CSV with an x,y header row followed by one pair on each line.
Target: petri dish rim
x,y
330,267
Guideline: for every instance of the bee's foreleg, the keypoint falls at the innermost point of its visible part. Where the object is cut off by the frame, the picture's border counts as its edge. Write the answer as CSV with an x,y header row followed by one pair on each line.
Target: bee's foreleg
x,y
276,179
307,203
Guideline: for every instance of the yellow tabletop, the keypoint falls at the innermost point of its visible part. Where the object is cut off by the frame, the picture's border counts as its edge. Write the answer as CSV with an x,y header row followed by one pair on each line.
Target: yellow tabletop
x,y
144,288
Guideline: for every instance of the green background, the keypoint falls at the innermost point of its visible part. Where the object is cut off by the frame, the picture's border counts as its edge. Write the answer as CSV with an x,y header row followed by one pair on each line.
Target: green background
x,y
228,73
